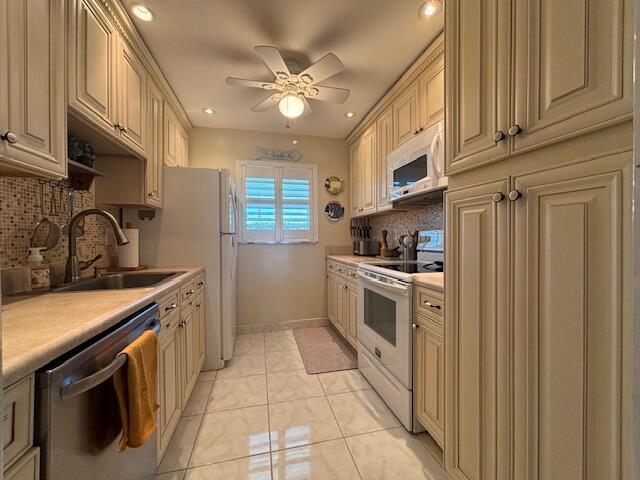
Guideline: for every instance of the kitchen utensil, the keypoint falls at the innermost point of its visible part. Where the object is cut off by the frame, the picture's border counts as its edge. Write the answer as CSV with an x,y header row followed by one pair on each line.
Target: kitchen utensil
x,y
46,233
384,248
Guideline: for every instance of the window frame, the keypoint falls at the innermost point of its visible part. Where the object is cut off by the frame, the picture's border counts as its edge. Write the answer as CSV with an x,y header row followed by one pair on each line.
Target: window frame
x,y
278,237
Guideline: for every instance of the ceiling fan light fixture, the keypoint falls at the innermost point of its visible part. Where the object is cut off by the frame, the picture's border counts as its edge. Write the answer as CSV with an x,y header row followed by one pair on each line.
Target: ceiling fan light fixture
x,y
429,8
291,106
142,12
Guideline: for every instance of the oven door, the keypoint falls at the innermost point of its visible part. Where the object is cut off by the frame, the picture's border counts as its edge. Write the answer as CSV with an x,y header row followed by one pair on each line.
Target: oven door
x,y
384,323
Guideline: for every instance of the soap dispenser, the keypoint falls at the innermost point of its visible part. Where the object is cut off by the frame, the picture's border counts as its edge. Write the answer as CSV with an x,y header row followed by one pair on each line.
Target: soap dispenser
x,y
40,275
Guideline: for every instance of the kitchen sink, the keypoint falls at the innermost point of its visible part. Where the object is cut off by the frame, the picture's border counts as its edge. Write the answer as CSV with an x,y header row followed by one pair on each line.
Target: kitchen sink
x,y
118,281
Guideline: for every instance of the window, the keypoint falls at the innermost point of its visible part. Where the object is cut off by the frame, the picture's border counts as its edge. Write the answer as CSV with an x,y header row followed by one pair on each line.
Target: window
x,y
278,202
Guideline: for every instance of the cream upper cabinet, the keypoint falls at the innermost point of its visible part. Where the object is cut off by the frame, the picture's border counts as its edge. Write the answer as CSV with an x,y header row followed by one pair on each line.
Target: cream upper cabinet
x,y
429,376
174,149
183,147
571,327
169,383
384,133
92,45
32,80
132,96
367,174
431,93
155,146
573,68
476,333
405,115
356,172
477,90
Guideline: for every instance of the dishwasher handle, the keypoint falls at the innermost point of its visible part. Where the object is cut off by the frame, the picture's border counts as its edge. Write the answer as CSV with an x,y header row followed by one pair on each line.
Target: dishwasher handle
x,y
85,384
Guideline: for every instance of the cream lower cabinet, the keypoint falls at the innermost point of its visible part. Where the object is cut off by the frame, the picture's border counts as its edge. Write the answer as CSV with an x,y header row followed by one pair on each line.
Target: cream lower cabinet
x,y
200,326
190,349
20,460
169,389
33,126
27,468
342,301
538,326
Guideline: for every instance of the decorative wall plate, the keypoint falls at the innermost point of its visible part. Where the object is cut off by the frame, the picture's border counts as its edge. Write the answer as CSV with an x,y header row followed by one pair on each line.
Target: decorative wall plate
x,y
334,185
334,211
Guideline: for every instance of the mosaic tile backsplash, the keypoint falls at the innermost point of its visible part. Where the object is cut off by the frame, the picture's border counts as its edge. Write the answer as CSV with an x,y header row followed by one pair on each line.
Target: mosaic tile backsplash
x,y
20,211
431,217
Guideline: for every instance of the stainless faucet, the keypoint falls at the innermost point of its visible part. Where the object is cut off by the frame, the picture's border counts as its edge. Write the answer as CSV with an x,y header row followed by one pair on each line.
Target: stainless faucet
x,y
74,266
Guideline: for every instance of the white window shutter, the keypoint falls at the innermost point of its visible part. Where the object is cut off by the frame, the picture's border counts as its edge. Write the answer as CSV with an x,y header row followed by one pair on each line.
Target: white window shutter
x,y
259,204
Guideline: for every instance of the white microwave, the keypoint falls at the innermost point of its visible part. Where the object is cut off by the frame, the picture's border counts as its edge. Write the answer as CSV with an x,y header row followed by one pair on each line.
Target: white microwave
x,y
417,166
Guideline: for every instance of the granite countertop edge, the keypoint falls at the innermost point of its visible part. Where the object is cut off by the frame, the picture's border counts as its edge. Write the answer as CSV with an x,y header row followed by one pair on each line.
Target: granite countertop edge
x,y
25,351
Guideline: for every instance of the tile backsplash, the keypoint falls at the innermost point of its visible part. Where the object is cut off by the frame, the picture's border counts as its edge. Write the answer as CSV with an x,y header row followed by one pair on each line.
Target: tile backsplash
x,y
431,217
20,210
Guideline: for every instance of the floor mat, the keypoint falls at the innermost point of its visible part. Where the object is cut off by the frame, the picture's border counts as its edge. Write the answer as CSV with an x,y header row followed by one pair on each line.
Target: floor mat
x,y
324,350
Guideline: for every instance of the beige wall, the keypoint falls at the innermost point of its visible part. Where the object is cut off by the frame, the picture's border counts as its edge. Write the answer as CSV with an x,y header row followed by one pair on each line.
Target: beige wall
x,y
278,283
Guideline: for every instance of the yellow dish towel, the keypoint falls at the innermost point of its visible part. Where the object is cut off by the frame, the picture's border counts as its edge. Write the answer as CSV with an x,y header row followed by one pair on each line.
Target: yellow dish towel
x,y
135,385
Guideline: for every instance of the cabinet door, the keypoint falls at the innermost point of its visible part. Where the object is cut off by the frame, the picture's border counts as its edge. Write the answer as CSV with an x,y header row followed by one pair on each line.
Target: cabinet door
x,y
341,307
477,82
189,351
570,240
331,298
132,93
171,149
155,141
573,68
431,85
32,106
351,309
429,380
356,172
200,333
92,75
368,174
476,333
384,126
27,468
169,382
183,148
405,115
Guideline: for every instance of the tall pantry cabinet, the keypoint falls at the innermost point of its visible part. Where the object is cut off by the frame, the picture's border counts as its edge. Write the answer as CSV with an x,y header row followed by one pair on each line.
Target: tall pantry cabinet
x,y
538,216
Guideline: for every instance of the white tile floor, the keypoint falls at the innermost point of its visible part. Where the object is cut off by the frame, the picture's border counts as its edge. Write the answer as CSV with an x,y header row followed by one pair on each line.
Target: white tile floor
x,y
264,418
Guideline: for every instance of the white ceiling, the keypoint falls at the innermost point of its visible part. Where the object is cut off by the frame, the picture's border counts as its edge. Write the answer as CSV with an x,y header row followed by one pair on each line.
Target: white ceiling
x,y
198,43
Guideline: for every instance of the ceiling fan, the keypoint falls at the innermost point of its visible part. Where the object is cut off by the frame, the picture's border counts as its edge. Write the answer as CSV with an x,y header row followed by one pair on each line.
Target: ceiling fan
x,y
291,89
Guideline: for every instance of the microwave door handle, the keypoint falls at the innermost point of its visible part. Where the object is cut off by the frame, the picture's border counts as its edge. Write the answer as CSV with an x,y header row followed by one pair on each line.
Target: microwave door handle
x,y
388,286
434,151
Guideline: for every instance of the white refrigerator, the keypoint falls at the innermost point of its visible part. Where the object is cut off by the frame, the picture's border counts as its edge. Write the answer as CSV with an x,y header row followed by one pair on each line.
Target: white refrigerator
x,y
198,226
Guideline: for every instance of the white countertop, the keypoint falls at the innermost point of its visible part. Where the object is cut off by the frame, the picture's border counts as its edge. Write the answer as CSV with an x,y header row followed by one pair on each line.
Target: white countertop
x,y
36,329
353,260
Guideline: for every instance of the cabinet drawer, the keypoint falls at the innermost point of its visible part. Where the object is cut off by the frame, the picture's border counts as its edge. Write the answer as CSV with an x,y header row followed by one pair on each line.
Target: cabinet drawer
x,y
27,468
341,269
431,303
331,267
17,419
200,281
187,291
168,322
352,274
168,303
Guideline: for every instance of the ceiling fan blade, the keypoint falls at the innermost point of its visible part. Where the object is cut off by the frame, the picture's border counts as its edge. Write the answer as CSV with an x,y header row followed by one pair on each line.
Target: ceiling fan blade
x,y
273,59
265,105
326,67
331,94
241,82
308,111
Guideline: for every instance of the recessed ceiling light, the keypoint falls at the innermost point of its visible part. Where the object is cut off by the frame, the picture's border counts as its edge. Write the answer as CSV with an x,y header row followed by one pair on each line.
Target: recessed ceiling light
x,y
208,110
295,142
350,114
429,8
142,12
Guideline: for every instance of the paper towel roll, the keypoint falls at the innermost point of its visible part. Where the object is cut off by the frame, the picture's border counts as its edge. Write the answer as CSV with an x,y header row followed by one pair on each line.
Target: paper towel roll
x,y
128,255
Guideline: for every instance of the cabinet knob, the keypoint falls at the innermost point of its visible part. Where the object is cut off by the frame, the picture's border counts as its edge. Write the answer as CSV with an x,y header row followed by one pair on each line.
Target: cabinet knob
x,y
150,194
498,136
514,195
9,137
514,130
497,197
414,326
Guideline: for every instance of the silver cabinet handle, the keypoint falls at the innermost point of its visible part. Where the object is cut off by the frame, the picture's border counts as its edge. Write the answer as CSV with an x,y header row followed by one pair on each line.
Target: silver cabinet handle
x,y
514,195
190,292
497,197
9,137
514,130
201,284
170,307
498,136
432,305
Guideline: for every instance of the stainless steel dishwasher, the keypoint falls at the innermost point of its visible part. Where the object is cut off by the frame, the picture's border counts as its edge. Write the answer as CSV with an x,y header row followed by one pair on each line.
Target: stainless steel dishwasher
x,y
77,419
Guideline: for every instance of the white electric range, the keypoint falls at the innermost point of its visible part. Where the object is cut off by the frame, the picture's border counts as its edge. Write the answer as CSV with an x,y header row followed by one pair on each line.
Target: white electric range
x,y
385,324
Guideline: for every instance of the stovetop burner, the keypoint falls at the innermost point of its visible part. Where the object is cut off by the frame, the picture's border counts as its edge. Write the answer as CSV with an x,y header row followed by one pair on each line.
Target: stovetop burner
x,y
413,267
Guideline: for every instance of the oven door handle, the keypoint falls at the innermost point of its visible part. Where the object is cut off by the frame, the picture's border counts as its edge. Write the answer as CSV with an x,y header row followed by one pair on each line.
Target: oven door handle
x,y
388,286
85,384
